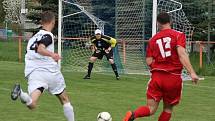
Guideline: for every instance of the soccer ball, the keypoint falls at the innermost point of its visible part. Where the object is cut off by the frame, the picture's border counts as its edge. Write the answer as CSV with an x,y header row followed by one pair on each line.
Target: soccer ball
x,y
104,116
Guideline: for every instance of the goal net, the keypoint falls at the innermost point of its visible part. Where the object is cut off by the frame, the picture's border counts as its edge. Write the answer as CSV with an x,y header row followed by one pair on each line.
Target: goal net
x,y
179,19
78,25
132,28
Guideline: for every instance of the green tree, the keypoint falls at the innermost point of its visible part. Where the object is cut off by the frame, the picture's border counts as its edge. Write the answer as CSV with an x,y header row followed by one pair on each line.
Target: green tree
x,y
105,11
36,9
2,13
197,13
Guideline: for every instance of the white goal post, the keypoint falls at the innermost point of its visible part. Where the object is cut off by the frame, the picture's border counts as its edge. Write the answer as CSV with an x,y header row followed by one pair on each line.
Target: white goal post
x,y
59,30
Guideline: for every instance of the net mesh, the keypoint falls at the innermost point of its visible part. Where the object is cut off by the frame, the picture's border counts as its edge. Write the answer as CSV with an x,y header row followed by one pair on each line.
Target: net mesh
x,y
78,25
179,19
132,26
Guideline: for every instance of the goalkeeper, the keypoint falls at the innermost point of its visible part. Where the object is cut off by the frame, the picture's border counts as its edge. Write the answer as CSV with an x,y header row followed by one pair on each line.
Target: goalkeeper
x,y
102,45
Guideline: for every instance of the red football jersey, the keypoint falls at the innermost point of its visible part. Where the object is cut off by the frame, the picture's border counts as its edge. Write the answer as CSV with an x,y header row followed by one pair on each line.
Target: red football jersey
x,y
163,49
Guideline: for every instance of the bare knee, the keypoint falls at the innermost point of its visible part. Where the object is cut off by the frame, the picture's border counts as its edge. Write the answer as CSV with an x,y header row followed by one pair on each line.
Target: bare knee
x,y
111,61
93,59
32,106
152,109
35,97
168,108
63,97
153,106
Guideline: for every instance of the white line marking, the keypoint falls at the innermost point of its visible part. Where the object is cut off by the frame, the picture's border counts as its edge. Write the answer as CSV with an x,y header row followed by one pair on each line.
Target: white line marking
x,y
5,89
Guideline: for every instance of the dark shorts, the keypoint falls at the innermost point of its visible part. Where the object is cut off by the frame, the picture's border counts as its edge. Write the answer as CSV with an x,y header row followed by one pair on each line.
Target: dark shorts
x,y
100,54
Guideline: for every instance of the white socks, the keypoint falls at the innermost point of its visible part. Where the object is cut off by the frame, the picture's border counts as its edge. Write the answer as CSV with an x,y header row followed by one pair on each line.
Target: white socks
x,y
67,107
25,98
68,111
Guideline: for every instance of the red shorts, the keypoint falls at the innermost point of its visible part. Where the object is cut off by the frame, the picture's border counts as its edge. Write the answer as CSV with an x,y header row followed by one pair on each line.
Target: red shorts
x,y
166,86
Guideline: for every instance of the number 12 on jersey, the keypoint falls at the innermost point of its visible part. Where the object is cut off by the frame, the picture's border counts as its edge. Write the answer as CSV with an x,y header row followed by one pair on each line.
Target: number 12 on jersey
x,y
163,47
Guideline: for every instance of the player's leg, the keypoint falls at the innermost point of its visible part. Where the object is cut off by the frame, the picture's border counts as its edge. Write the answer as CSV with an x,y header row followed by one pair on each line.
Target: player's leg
x,y
29,100
154,96
109,57
34,97
37,83
167,111
92,60
36,86
67,107
172,87
56,86
113,65
90,67
142,111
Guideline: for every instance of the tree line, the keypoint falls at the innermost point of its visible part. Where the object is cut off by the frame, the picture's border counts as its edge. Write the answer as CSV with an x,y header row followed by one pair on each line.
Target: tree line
x,y
195,10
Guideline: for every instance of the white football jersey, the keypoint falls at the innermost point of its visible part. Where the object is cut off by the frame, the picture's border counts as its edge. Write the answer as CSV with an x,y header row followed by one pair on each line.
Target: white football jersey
x,y
34,60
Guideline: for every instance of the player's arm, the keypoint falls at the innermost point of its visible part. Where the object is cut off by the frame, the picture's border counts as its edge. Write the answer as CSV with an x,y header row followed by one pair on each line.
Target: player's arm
x,y
110,40
113,42
42,44
184,58
149,61
149,55
92,42
93,48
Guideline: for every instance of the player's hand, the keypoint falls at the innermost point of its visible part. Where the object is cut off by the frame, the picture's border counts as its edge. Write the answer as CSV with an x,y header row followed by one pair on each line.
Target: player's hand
x,y
95,48
92,47
107,50
194,77
97,51
56,57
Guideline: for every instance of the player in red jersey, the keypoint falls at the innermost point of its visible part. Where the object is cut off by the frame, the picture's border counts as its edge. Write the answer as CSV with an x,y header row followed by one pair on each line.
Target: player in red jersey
x,y
166,56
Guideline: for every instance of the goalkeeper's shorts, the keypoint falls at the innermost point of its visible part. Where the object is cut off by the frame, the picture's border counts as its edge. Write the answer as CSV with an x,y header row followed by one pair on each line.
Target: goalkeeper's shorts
x,y
166,86
99,54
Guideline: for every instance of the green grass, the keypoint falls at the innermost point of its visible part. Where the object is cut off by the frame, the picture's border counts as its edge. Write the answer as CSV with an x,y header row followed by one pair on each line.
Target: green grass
x,y
77,59
101,93
9,50
207,69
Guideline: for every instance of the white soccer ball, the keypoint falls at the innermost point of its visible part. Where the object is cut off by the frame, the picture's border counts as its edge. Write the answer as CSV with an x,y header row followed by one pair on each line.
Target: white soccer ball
x,y
104,116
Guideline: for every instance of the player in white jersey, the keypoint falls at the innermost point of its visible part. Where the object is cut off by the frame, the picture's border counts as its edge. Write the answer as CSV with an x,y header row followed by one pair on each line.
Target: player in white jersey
x,y
42,70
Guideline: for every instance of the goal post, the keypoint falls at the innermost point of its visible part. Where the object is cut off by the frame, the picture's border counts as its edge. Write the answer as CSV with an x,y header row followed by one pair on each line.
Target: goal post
x,y
154,17
59,30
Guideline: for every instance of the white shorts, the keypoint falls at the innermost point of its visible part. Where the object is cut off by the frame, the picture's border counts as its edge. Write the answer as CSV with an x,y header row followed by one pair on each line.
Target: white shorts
x,y
53,82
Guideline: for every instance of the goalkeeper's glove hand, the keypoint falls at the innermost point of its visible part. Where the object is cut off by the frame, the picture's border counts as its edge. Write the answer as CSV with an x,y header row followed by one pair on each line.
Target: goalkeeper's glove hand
x,y
108,50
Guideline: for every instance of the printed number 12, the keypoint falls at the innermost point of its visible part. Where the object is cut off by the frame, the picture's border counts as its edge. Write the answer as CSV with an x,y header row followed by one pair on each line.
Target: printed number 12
x,y
166,42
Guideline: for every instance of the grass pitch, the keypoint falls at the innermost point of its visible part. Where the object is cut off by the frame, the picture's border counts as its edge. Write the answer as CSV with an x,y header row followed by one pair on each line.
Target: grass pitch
x,y
101,93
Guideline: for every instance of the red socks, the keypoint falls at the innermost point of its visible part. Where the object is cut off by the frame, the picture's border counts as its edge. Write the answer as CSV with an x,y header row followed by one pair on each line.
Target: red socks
x,y
165,116
142,112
